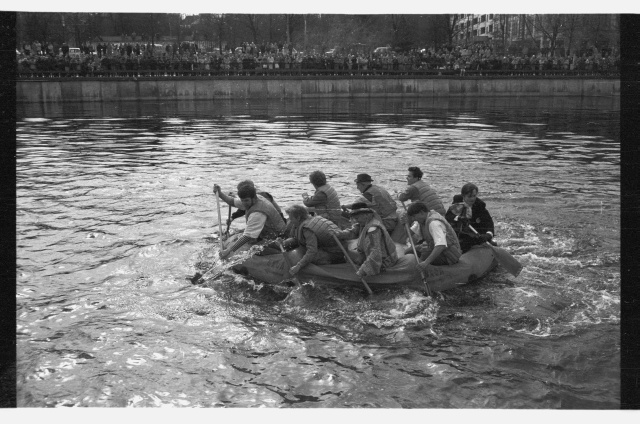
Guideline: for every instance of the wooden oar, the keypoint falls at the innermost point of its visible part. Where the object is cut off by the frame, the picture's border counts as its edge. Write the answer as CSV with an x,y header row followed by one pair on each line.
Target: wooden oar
x,y
505,259
226,233
355,268
220,222
288,263
413,246
197,278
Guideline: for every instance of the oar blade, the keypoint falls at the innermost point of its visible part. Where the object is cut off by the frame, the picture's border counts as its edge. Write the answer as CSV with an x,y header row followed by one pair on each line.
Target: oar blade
x,y
285,274
507,261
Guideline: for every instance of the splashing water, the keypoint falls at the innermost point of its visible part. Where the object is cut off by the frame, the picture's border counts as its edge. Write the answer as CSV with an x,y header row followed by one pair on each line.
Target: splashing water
x,y
113,204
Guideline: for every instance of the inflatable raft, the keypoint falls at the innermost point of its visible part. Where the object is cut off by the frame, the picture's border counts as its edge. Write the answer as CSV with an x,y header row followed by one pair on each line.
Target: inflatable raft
x,y
272,269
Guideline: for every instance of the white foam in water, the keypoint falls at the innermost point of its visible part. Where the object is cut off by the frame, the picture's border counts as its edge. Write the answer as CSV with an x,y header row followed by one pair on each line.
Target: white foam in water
x,y
532,258
240,338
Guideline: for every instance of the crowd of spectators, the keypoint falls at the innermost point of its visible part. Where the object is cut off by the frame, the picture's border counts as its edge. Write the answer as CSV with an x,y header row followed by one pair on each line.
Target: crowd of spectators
x,y
250,59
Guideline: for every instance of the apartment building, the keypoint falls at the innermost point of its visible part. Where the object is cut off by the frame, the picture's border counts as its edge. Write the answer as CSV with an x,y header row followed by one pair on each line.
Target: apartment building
x,y
563,32
474,28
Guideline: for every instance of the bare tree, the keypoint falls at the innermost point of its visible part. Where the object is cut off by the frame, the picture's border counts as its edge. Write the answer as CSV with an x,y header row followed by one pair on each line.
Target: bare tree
x,y
503,29
220,24
450,25
252,23
602,30
550,25
569,31
288,19
403,31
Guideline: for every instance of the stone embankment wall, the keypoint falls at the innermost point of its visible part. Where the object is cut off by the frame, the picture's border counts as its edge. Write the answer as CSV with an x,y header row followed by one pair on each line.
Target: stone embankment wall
x,y
111,89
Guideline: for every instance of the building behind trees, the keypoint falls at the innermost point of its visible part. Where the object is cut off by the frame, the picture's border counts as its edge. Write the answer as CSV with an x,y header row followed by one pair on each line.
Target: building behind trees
x,y
556,34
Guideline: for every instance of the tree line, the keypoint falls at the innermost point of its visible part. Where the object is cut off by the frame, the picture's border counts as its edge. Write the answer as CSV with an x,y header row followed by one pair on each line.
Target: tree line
x,y
319,32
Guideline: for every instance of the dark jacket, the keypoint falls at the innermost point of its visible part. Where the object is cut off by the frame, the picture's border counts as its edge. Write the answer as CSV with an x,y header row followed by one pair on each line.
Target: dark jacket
x,y
480,220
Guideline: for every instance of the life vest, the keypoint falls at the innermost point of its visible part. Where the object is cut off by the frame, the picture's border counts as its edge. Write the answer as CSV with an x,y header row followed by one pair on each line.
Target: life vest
x,y
321,227
453,252
274,224
385,205
272,201
389,254
428,196
330,210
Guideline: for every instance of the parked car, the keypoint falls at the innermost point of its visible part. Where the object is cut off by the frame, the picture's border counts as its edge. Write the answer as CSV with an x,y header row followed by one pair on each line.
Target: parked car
x,y
379,50
74,51
158,49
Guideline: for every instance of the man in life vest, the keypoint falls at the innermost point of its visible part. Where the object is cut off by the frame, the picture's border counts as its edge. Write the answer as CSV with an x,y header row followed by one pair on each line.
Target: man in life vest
x,y
378,199
440,246
315,234
468,210
376,249
325,200
263,219
420,191
241,212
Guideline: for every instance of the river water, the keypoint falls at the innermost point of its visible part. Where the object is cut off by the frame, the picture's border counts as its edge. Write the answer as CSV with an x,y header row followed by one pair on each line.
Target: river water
x,y
115,211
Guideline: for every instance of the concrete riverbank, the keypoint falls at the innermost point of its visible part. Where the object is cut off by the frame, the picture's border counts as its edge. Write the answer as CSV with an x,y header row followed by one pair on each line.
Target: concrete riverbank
x,y
201,88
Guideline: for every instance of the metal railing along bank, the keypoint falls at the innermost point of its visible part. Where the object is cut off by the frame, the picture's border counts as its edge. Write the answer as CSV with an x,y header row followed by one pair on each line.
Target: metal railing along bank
x,y
324,73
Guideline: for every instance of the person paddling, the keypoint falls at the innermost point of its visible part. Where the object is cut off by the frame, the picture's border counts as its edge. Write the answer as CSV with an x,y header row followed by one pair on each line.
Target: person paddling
x,y
263,219
315,234
376,249
241,212
440,246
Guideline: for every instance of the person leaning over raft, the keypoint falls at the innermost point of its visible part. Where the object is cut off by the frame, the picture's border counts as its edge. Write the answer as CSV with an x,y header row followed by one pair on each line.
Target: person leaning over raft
x,y
441,246
420,191
314,233
468,210
377,250
325,200
241,212
378,199
263,219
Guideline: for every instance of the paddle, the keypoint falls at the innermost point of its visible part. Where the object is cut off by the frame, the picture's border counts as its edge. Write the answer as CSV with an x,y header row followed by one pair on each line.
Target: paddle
x,y
226,233
197,278
288,263
219,222
413,246
505,259
355,268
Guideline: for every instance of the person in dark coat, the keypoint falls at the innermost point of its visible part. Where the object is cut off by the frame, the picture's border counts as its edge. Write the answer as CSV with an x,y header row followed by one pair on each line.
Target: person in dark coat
x,y
468,210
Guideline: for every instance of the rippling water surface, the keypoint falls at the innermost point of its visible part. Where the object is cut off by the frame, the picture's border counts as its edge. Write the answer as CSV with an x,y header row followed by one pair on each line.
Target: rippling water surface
x,y
115,211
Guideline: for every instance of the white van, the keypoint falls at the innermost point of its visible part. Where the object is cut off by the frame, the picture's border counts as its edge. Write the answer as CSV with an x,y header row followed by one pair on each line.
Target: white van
x,y
74,52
